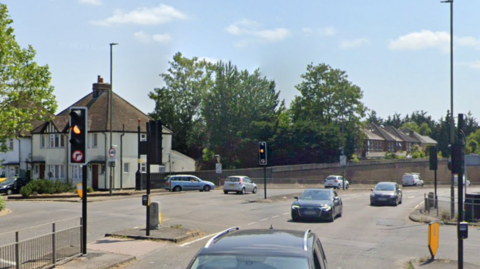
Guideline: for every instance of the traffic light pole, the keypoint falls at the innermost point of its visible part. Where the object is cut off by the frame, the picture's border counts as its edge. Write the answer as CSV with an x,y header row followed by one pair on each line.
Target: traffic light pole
x,y
460,159
265,180
84,209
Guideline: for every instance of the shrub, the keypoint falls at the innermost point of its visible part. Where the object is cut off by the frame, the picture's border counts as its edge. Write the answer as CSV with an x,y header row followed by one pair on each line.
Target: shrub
x,y
2,203
354,158
90,189
42,186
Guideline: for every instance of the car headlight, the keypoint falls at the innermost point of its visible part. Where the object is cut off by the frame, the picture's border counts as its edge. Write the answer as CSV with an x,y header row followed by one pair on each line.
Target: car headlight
x,y
295,206
372,195
325,207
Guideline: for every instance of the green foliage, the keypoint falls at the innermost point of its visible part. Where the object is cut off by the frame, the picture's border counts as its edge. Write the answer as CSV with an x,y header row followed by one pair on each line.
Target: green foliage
x,y
25,91
354,158
410,125
417,152
390,155
44,186
90,189
2,203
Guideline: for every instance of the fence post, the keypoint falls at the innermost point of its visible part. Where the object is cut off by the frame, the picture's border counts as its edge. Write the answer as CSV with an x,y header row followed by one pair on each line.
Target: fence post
x,y
54,256
17,250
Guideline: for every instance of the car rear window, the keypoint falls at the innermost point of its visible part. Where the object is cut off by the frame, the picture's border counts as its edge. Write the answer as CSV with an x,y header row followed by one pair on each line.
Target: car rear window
x,y
233,179
330,178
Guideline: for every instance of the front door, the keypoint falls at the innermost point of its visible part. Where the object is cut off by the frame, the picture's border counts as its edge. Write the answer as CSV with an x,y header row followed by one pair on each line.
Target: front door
x,y
42,172
95,177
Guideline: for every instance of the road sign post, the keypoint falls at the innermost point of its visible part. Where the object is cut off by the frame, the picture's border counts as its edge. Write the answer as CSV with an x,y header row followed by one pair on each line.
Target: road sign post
x,y
433,236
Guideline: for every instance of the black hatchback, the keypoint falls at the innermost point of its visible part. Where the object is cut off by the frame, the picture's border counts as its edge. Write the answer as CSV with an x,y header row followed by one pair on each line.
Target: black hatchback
x,y
12,185
261,249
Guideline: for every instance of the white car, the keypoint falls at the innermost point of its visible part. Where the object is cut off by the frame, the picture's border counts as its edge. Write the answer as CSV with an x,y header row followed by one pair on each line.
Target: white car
x,y
412,179
455,180
336,182
239,184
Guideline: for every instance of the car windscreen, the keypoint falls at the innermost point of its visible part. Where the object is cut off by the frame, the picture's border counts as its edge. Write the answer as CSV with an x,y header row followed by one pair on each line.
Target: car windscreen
x,y
385,187
233,179
7,182
315,195
234,261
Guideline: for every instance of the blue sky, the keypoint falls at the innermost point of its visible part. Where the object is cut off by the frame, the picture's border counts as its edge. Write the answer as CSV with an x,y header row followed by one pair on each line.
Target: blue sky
x,y
396,51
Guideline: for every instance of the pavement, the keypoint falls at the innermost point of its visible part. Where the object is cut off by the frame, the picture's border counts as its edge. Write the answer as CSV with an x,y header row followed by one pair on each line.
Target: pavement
x,y
119,248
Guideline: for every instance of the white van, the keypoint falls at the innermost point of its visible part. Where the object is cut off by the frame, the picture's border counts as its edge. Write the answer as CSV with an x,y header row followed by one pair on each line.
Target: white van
x,y
455,180
412,179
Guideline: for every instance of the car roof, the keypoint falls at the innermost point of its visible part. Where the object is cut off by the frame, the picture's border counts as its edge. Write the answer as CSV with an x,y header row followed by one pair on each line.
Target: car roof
x,y
323,190
267,241
237,176
386,183
334,176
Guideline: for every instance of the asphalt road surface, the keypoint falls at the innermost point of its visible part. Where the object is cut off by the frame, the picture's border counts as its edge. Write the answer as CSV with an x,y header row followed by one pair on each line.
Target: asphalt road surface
x,y
364,237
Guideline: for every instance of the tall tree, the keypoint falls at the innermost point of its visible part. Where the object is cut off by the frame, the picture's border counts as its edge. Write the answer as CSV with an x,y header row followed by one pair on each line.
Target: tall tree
x,y
25,91
328,108
240,109
178,104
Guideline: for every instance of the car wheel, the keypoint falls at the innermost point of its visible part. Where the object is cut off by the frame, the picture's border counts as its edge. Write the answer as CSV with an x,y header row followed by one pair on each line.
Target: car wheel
x,y
226,192
400,200
295,219
348,185
177,188
207,188
243,191
254,190
372,204
9,192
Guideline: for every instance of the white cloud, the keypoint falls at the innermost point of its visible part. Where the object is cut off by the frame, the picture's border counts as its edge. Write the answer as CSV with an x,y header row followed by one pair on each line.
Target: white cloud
x,y
348,44
428,39
421,40
252,30
90,2
143,16
146,38
328,31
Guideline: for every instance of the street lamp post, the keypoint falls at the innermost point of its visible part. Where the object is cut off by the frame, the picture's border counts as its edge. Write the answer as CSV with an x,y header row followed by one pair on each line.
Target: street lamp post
x,y
110,112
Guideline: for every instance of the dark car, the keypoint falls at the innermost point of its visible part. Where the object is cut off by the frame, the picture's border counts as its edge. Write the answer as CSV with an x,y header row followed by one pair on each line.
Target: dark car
x,y
261,249
12,185
386,193
317,204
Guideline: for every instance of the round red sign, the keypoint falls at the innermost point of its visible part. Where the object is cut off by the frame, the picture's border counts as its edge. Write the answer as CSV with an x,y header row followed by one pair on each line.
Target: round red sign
x,y
77,156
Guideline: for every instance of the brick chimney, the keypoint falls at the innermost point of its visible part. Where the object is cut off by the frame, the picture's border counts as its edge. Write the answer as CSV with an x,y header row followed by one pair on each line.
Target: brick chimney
x,y
100,87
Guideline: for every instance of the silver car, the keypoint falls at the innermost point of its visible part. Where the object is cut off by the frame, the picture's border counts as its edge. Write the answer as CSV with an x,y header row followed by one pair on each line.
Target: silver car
x,y
239,184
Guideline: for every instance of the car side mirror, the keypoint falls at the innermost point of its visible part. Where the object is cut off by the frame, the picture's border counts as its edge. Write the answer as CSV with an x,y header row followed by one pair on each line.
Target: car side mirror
x,y
371,189
296,197
336,198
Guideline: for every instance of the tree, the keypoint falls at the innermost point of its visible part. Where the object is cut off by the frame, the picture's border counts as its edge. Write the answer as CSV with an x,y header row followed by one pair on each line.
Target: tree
x,y
240,109
178,104
26,95
410,125
373,118
328,109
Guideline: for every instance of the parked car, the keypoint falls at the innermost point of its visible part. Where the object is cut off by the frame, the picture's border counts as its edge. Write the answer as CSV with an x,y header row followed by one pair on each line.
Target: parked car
x,y
386,193
187,183
12,185
455,180
317,204
412,179
336,182
261,249
239,184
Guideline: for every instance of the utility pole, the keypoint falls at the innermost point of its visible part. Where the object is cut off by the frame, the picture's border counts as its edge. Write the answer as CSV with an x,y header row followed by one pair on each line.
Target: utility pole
x,y
111,164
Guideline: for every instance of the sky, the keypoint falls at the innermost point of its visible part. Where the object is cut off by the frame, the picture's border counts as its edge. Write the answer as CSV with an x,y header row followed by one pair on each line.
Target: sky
x,y
397,52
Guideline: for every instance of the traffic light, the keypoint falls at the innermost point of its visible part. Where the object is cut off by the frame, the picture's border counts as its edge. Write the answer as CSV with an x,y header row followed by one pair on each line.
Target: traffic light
x,y
433,158
78,135
154,142
262,153
457,159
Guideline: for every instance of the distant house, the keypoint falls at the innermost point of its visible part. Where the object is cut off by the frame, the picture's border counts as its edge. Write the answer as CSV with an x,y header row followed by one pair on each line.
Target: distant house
x,y
50,145
380,140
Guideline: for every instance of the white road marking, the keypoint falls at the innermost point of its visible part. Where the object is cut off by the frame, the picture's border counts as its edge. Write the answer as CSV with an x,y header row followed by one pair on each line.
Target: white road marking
x,y
410,197
264,219
286,213
7,262
196,240
275,216
251,223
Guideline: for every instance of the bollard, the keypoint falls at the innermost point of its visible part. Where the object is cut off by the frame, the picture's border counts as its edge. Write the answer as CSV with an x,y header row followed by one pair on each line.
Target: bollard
x,y
155,215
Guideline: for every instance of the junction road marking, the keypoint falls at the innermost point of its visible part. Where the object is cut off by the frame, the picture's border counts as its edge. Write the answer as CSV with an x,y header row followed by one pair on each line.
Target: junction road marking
x,y
251,223
264,219
275,216
196,240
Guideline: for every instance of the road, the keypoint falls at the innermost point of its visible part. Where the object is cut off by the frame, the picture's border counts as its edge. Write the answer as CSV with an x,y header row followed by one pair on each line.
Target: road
x,y
364,237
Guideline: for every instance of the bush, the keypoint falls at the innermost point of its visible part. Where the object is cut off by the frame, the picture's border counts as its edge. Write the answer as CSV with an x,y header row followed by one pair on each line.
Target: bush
x,y
2,203
354,158
43,186
90,189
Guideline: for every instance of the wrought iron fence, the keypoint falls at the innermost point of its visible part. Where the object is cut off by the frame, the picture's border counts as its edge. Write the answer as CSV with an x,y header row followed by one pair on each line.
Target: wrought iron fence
x,y
442,207
40,250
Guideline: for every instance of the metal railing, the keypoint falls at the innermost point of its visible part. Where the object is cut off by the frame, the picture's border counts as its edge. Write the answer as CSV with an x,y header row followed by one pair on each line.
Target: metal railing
x,y
40,249
441,207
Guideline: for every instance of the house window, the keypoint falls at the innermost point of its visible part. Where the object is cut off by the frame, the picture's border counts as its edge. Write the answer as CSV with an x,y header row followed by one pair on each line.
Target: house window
x,y
55,172
57,141
10,144
143,167
42,141
36,169
94,140
126,167
143,137
17,170
77,172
